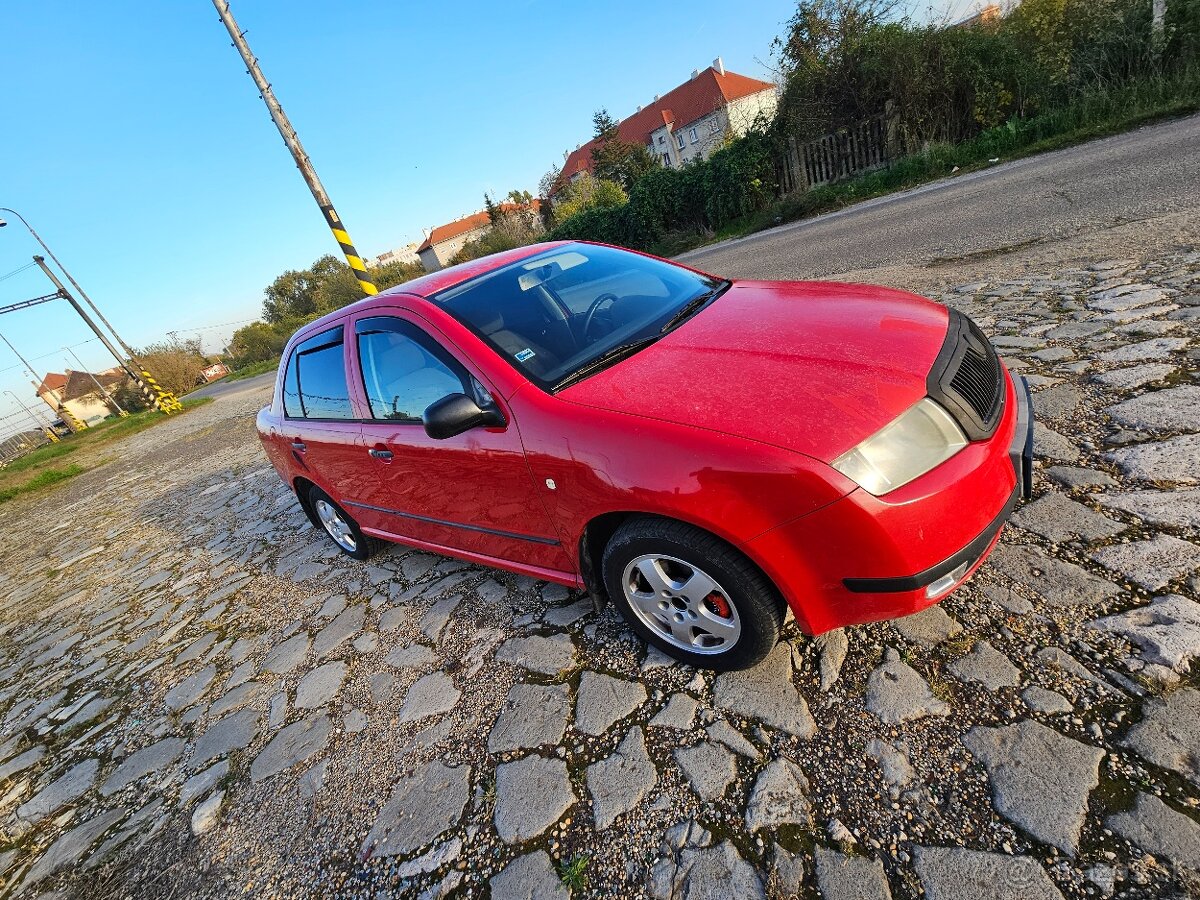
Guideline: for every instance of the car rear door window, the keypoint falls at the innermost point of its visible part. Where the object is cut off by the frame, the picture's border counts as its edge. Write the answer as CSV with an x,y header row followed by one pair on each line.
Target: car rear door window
x,y
314,385
404,370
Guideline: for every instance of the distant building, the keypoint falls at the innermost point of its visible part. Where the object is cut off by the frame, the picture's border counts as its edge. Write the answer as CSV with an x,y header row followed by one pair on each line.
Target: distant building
x,y
406,254
689,122
446,240
987,15
77,391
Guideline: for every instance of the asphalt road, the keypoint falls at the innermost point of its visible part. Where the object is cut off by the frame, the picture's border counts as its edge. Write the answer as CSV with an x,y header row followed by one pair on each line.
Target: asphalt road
x,y
1141,175
231,388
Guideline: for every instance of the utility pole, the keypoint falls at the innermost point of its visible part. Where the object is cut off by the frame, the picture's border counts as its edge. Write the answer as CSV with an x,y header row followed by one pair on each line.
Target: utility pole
x,y
24,361
303,163
162,400
158,397
107,396
41,426
75,423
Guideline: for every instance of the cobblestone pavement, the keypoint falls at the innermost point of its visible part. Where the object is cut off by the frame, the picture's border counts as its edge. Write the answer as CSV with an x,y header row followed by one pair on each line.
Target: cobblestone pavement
x,y
200,697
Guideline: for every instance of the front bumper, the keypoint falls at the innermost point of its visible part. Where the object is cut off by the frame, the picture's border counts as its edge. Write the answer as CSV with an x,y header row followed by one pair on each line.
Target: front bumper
x,y
1020,453
936,529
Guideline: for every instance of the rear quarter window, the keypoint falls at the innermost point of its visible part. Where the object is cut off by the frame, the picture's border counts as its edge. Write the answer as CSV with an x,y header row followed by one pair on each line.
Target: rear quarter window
x,y
314,384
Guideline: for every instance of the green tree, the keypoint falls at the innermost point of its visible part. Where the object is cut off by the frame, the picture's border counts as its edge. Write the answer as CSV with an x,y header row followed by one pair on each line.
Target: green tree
x,y
587,192
514,223
614,159
175,365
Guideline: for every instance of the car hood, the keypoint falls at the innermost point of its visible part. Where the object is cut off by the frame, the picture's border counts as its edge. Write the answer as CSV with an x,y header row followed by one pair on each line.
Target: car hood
x,y
809,366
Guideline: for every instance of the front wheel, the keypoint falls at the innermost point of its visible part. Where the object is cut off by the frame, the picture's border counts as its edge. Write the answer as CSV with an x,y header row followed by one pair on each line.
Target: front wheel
x,y
692,595
342,529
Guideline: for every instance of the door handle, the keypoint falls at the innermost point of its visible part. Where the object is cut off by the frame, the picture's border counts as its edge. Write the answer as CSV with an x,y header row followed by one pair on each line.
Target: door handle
x,y
380,454
299,446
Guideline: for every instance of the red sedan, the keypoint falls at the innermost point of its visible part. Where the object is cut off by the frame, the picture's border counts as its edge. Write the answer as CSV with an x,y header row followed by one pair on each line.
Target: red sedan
x,y
707,453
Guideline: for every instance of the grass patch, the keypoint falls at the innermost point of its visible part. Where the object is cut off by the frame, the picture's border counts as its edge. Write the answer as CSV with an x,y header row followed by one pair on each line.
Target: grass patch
x,y
41,480
258,368
573,873
105,433
1096,114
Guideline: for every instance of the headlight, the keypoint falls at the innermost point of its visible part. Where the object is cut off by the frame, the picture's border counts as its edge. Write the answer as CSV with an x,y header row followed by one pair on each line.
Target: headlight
x,y
923,437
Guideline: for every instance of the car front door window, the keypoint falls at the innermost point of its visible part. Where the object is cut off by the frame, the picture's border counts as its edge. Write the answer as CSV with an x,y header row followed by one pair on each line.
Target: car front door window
x,y
404,371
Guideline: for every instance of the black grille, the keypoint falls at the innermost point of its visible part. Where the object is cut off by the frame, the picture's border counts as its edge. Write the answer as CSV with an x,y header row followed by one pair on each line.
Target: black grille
x,y
967,379
977,379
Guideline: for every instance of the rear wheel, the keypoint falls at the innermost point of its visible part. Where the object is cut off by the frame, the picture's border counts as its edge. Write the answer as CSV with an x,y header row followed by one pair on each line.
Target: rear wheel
x,y
342,529
692,595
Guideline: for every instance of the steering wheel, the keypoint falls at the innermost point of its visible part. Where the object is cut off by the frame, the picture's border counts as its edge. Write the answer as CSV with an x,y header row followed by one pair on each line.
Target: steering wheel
x,y
591,312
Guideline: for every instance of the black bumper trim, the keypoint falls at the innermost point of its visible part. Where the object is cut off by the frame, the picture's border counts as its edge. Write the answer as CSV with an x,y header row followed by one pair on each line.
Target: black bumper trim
x,y
969,553
1021,454
1021,450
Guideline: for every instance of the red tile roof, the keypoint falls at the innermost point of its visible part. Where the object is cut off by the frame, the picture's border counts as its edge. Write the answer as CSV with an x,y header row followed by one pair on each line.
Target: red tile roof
x,y
54,381
463,226
692,100
81,384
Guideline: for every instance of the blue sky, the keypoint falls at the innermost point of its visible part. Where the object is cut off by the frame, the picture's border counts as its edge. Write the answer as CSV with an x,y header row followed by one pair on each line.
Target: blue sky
x,y
136,144
133,140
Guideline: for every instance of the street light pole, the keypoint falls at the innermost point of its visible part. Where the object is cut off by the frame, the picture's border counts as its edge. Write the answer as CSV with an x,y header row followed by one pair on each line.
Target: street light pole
x,y
107,396
303,163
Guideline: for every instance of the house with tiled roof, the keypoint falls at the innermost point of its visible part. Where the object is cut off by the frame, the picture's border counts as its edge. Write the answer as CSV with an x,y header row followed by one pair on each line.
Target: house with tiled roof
x,y
690,121
80,393
442,242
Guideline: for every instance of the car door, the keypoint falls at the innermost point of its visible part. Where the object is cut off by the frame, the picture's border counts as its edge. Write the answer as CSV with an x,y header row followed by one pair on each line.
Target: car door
x,y
472,492
319,428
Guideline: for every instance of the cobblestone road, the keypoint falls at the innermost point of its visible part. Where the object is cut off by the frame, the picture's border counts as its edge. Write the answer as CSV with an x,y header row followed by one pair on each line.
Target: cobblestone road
x,y
200,697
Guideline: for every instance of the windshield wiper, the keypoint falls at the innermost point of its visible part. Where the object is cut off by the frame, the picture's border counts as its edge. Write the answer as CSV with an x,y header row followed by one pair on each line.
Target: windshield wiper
x,y
685,312
605,359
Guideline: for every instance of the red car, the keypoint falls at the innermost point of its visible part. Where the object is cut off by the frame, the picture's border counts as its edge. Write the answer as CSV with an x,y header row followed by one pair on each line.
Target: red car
x,y
707,453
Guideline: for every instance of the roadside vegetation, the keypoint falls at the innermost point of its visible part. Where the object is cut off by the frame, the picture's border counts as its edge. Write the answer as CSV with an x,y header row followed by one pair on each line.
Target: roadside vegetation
x,y
40,468
1041,75
1046,74
296,298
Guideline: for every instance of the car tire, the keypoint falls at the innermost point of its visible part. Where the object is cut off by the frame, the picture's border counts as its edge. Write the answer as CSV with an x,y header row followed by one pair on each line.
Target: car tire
x,y
733,625
341,528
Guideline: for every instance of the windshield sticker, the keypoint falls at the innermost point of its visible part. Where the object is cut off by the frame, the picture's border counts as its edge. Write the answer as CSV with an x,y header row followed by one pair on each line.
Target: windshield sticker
x,y
524,355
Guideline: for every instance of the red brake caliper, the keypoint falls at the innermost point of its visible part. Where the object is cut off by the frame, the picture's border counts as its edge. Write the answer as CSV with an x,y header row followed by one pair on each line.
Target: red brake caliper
x,y
719,604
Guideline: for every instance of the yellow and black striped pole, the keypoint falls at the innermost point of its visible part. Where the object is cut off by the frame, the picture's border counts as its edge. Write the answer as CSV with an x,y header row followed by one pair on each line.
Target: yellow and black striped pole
x,y
352,258
73,421
156,395
303,163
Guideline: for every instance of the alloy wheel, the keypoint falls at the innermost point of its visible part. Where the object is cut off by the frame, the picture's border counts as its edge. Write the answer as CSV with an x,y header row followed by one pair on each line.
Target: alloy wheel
x,y
337,527
683,604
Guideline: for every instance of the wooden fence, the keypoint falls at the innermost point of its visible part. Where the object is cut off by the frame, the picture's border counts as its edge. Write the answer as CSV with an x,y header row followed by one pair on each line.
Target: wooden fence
x,y
871,144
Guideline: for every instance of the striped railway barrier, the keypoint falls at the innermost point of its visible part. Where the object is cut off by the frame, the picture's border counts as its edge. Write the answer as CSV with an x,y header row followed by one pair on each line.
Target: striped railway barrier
x,y
73,421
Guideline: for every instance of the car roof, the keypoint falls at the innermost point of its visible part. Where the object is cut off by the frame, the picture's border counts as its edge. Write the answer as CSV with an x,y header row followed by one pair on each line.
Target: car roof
x,y
427,285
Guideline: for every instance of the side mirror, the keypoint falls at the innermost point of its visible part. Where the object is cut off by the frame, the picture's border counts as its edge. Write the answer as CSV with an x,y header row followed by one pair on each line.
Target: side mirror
x,y
456,413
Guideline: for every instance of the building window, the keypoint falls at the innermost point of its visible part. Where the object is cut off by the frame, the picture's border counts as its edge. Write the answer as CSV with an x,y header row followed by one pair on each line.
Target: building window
x,y
694,135
714,126
679,140
667,160
661,139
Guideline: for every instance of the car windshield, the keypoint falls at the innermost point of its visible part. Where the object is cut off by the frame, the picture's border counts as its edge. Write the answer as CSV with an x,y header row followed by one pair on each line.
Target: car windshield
x,y
565,314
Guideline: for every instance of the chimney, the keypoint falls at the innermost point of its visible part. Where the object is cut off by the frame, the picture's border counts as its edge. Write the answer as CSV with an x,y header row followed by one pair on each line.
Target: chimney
x,y
695,73
656,98
719,66
639,109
